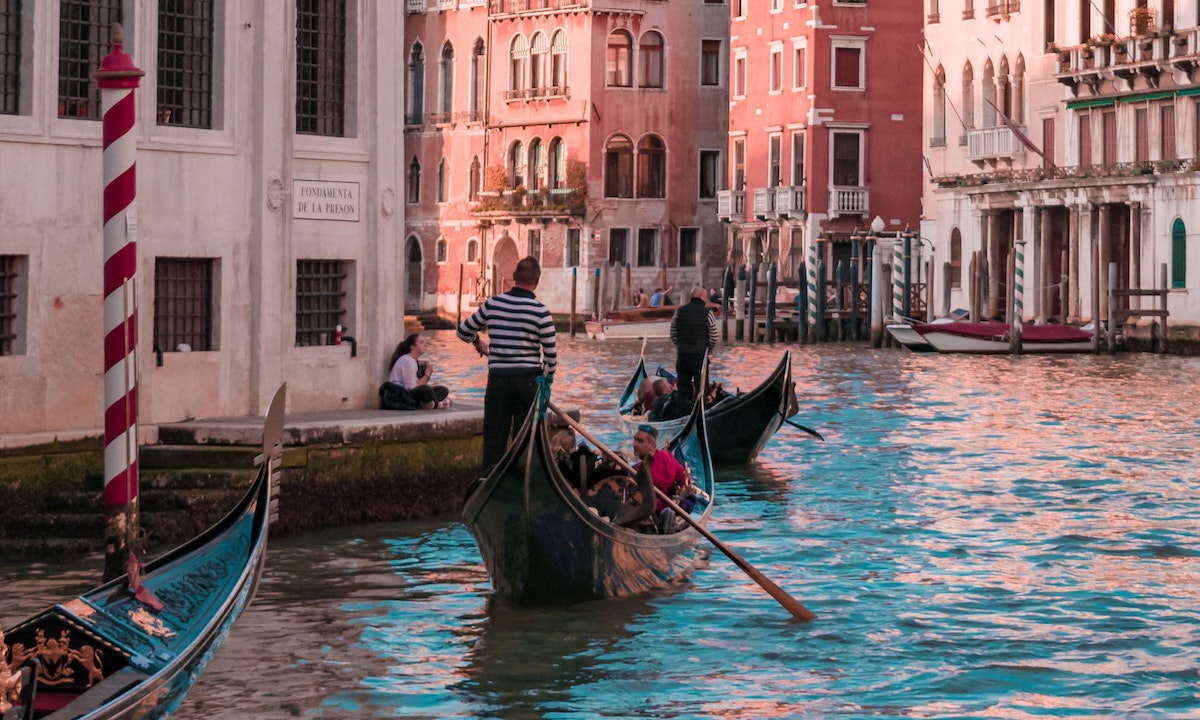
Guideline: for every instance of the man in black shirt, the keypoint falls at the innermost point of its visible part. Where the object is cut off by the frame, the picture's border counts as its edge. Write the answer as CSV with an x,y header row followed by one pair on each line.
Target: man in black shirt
x,y
694,332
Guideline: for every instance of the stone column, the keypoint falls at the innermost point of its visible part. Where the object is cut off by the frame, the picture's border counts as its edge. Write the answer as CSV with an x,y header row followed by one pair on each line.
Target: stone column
x,y
1047,283
996,269
1072,268
1104,257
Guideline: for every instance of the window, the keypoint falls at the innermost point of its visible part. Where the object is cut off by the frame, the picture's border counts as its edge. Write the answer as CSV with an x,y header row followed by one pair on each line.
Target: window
x,y
185,63
12,290
847,66
774,160
478,71
516,165
987,91
1167,133
617,70
652,167
968,103
775,76
618,245
474,180
320,300
799,67
1109,120
10,57
518,57
84,37
710,173
441,251
847,159
1048,148
1048,30
573,257
618,167
558,165
416,85
934,16
446,81
1178,255
955,258
650,60
414,182
739,164
710,62
183,304
1085,139
689,247
558,62
321,67
442,181
937,137
798,171
647,247
472,251
739,74
537,164
539,48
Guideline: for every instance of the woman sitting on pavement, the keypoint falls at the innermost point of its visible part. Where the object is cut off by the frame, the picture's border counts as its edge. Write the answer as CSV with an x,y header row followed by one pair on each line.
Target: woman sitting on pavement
x,y
408,372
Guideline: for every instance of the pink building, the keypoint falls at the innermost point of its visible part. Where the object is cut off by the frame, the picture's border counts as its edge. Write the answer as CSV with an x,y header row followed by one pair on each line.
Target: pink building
x,y
591,135
824,127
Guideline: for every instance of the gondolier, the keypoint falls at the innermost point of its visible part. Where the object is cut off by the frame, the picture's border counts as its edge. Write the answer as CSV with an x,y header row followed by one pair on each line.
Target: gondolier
x,y
520,345
694,332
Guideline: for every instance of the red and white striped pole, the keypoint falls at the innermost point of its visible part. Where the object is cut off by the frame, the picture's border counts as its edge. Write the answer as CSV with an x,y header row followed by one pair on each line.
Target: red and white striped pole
x,y
117,78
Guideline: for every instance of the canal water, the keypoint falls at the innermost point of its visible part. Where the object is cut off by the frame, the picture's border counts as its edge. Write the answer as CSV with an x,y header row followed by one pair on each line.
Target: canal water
x,y
981,537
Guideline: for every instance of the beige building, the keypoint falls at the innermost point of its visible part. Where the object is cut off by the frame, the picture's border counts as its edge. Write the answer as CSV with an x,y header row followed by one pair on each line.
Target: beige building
x,y
269,207
1073,128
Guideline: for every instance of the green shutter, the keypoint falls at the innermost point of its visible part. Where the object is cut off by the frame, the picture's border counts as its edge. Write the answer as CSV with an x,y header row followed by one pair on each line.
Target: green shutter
x,y
1178,255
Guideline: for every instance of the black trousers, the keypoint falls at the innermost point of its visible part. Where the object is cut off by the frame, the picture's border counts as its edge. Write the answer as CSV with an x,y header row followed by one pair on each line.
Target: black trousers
x,y
688,368
506,402
430,393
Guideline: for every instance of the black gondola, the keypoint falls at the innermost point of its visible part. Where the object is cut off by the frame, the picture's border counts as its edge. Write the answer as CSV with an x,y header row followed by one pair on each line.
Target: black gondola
x,y
113,653
541,543
738,426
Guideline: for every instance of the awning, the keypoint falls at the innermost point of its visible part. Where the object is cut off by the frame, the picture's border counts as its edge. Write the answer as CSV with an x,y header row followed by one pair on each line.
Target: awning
x,y
1090,103
1144,97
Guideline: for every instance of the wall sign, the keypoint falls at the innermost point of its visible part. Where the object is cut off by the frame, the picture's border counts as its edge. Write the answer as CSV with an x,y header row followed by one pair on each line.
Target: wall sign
x,y
325,200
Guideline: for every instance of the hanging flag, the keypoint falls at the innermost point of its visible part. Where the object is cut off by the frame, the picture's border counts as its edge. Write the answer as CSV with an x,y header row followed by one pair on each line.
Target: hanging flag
x,y
1016,131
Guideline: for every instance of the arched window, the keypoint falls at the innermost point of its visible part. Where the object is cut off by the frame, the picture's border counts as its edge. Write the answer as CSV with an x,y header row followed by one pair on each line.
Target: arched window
x,y
938,137
987,89
446,79
478,71
558,165
1178,255
537,165
1004,96
442,181
472,250
1018,92
558,62
414,181
955,258
518,58
441,251
650,60
416,83
618,167
617,70
651,167
516,165
968,102
474,180
539,48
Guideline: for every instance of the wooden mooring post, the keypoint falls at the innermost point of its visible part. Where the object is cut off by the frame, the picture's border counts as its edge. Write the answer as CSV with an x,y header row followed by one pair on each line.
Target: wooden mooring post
x,y
1119,315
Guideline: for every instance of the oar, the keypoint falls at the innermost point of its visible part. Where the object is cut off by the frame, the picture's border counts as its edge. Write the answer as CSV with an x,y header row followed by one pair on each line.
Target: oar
x,y
808,430
789,603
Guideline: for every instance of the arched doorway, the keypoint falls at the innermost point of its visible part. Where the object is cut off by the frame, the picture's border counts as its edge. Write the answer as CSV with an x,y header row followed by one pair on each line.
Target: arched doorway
x,y
413,275
504,262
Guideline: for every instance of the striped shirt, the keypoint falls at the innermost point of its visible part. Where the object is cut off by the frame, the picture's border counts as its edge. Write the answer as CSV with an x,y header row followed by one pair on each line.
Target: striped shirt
x,y
520,332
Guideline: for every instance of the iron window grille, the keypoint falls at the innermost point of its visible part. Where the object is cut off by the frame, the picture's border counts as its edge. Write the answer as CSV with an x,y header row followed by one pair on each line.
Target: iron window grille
x,y
10,57
320,300
84,38
185,63
321,67
183,304
9,275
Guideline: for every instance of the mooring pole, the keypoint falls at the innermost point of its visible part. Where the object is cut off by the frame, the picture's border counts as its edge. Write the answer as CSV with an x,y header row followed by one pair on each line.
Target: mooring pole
x,y
117,78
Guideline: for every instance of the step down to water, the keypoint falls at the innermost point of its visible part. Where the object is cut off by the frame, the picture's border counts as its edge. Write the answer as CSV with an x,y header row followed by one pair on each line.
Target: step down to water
x,y
176,457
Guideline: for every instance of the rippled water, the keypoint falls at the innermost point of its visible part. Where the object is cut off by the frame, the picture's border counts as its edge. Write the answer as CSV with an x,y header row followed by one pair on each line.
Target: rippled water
x,y
981,538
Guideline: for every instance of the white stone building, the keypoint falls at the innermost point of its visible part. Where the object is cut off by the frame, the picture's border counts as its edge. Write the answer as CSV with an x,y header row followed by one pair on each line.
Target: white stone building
x,y
249,112
1071,126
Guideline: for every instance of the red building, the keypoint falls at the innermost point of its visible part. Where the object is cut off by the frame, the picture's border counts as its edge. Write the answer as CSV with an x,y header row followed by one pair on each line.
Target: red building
x,y
824,127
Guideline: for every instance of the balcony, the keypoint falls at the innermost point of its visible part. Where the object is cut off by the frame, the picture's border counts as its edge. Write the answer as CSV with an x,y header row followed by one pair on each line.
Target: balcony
x,y
543,205
524,7
764,203
994,143
1123,60
731,205
415,6
849,200
789,200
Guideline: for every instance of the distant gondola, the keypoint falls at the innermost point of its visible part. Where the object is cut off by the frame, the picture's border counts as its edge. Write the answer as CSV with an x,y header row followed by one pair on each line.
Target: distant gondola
x,y
542,544
111,654
738,426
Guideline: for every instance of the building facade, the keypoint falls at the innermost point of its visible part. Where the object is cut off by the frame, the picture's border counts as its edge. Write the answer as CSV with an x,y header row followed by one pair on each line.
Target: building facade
x,y
269,208
824,129
1070,130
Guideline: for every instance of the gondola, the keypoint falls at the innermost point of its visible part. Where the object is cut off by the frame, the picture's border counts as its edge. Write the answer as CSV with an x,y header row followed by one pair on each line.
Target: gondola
x,y
133,647
739,426
542,544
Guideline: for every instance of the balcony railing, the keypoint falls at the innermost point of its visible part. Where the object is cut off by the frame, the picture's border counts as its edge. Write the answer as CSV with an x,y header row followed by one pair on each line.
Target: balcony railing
x,y
416,6
731,205
517,7
849,200
789,200
764,202
1149,55
414,119
993,143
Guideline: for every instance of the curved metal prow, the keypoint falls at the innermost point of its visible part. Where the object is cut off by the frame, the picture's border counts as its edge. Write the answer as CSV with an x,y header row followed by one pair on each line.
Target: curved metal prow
x,y
273,444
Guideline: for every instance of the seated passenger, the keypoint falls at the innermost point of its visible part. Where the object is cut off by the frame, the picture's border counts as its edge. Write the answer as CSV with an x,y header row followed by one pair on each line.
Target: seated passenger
x,y
668,476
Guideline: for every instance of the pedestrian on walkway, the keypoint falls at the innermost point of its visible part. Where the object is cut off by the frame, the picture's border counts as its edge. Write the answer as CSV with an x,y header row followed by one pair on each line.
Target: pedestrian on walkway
x,y
413,374
694,332
520,345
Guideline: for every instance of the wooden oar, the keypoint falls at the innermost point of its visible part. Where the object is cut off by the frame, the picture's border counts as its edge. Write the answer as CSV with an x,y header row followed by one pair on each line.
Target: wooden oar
x,y
808,430
789,603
